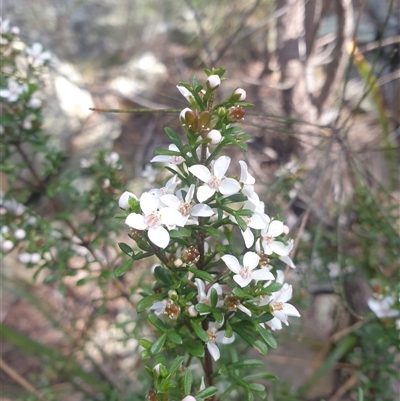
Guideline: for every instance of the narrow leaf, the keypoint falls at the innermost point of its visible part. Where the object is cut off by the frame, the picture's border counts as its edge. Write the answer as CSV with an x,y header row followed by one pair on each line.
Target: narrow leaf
x,y
126,249
206,393
187,382
174,337
202,274
199,331
158,344
121,270
146,302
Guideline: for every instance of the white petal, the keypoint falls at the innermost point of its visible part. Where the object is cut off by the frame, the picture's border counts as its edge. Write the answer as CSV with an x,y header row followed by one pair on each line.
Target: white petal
x,y
262,274
216,287
232,263
201,172
281,316
221,166
248,237
257,221
285,294
201,289
170,216
275,324
290,310
229,186
241,281
275,228
148,203
224,340
279,248
159,236
245,177
205,192
160,159
280,276
251,260
244,309
201,210
137,221
171,201
286,259
190,194
214,351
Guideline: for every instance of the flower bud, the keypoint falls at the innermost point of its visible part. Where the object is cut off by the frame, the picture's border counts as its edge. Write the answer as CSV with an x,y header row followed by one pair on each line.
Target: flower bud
x,y
192,312
213,81
173,295
239,95
215,136
156,369
19,233
286,229
221,112
34,103
189,398
6,245
187,117
123,202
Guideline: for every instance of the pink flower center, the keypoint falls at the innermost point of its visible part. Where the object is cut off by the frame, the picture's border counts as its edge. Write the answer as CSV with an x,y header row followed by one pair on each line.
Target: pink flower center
x,y
245,273
268,238
177,159
185,208
214,182
153,219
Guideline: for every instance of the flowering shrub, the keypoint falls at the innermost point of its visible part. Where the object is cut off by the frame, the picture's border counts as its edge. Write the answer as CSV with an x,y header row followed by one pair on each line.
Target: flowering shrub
x,y
211,286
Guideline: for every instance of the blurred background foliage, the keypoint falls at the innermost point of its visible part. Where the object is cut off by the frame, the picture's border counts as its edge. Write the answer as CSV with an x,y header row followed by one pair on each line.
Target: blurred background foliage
x,y
325,79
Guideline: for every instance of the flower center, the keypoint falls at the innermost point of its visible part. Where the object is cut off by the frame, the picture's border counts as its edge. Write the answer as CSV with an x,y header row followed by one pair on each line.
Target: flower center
x,y
212,336
278,305
214,182
268,238
153,219
245,273
177,159
185,208
172,310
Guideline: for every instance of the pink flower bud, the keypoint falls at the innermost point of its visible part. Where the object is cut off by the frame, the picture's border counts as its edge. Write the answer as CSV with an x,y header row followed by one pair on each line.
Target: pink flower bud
x,y
213,81
286,230
215,136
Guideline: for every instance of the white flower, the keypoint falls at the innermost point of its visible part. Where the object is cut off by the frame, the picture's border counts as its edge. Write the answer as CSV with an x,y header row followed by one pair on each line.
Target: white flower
x,y
216,336
246,179
152,219
34,103
124,198
215,136
214,81
240,94
256,221
382,307
168,189
205,298
27,258
189,398
37,54
244,274
112,159
27,123
185,207
19,233
268,234
166,307
6,245
13,91
215,181
280,308
149,172
169,159
286,258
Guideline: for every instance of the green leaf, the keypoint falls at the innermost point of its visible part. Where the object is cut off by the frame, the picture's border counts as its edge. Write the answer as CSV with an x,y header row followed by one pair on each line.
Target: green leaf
x,y
267,336
187,382
174,336
176,365
257,387
202,274
260,375
158,344
174,137
238,292
146,302
145,343
246,364
211,230
121,270
248,333
203,308
167,152
126,249
233,199
194,347
156,322
164,275
218,316
180,232
206,393
199,331
273,287
84,281
214,297
240,382
241,222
